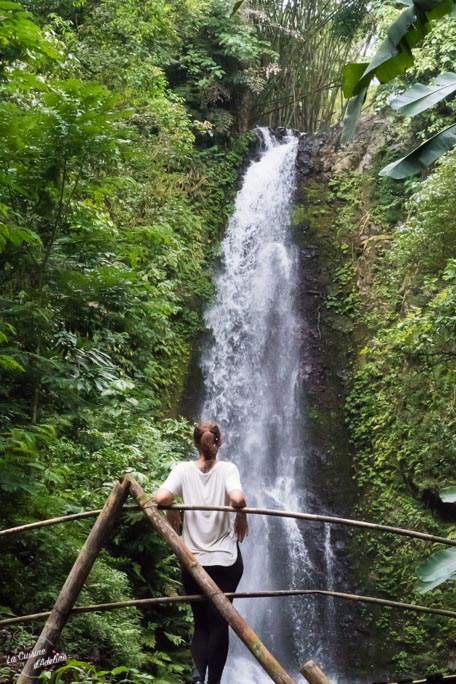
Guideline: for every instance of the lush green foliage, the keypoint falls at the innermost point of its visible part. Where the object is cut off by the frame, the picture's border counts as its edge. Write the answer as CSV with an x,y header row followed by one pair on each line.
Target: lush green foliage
x,y
311,40
400,410
390,256
110,214
117,169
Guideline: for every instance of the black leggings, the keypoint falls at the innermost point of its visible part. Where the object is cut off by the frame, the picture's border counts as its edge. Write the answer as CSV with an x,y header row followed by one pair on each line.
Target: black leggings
x,y
209,645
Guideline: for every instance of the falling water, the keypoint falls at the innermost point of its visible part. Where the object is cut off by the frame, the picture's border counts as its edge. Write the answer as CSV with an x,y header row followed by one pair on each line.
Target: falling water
x,y
253,387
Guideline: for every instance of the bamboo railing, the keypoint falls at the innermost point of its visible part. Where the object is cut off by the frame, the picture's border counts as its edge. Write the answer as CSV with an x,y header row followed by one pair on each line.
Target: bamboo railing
x,y
278,593
297,515
99,534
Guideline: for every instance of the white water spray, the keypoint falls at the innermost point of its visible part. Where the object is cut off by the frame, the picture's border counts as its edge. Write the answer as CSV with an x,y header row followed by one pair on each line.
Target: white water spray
x,y
253,388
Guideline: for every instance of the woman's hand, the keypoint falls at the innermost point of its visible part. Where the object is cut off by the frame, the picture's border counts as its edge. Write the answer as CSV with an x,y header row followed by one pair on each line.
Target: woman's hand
x,y
241,526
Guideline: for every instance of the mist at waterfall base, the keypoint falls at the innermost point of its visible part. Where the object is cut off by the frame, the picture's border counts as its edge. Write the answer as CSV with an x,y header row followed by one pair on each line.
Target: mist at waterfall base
x,y
253,388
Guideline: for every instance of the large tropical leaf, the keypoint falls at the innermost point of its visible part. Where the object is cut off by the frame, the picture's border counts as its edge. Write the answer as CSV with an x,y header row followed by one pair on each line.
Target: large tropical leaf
x,y
391,59
394,55
236,7
438,568
428,5
422,156
351,76
439,9
448,494
421,97
352,115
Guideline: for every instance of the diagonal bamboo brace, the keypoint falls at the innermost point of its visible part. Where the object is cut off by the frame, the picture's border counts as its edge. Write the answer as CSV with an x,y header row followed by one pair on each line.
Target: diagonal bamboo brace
x,y
74,583
209,587
313,674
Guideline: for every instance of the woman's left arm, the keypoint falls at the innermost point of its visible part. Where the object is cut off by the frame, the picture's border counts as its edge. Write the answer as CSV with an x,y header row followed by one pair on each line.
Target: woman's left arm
x,y
241,526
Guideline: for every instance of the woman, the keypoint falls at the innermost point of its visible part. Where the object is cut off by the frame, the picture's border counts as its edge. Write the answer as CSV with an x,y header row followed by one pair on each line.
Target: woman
x,y
212,538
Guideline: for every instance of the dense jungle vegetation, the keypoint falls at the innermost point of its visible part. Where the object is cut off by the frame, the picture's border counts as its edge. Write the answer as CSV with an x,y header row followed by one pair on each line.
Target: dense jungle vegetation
x,y
124,127
401,407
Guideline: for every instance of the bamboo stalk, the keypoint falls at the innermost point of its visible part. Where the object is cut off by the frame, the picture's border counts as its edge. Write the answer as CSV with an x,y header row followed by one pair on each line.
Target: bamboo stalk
x,y
313,674
209,587
279,593
74,583
57,521
323,518
254,511
429,678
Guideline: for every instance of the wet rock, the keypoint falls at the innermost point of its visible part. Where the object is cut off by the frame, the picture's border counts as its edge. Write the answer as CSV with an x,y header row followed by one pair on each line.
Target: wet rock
x,y
309,252
321,153
279,132
307,156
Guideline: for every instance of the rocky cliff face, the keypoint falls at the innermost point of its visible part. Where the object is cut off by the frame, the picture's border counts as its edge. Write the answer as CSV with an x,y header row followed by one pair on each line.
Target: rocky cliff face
x,y
329,229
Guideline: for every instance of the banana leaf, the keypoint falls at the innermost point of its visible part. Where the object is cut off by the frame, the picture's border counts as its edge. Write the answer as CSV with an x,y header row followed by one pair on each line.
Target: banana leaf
x,y
391,59
420,97
236,7
438,568
440,9
422,156
351,75
427,5
394,42
352,115
448,494
395,53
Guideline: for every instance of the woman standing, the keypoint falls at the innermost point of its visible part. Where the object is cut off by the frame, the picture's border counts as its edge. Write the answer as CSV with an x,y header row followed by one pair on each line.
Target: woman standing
x,y
212,538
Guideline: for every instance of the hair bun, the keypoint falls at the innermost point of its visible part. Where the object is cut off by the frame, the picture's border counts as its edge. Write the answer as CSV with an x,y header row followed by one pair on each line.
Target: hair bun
x,y
207,438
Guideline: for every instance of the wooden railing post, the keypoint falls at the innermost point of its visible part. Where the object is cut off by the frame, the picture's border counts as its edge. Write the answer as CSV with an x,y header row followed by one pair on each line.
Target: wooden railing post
x,y
75,581
209,587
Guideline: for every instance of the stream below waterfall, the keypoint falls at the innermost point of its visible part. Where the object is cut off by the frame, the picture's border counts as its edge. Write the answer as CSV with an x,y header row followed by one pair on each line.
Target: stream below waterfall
x,y
253,386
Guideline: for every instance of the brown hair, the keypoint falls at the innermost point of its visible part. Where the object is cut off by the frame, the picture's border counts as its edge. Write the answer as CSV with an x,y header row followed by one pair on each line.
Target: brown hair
x,y
207,438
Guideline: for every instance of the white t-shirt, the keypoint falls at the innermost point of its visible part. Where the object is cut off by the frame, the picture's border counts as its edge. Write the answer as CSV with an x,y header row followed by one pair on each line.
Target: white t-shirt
x,y
208,534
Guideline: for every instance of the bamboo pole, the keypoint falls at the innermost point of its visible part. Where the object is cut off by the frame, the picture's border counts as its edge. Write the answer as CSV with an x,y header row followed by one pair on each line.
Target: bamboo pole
x,y
279,593
312,517
434,677
313,674
209,587
61,519
74,583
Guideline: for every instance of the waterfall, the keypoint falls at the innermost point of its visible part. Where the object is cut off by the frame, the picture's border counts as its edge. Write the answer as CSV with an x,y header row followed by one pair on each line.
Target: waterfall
x,y
253,388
